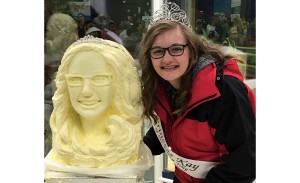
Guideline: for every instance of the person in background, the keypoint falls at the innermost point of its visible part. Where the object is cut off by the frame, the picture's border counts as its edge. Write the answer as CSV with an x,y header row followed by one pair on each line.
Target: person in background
x,y
203,114
221,27
132,41
238,25
123,29
101,21
232,38
112,27
199,29
95,32
251,34
130,20
142,27
81,22
211,27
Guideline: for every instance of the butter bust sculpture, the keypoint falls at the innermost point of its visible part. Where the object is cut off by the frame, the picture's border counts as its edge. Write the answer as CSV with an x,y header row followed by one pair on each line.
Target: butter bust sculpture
x,y
97,116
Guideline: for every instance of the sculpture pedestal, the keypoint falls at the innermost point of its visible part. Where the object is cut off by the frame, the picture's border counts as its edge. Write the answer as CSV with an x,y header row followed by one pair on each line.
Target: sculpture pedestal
x,y
56,172
91,180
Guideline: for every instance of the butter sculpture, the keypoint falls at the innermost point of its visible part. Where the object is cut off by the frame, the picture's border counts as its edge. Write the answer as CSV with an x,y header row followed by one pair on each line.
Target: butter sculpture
x,y
97,117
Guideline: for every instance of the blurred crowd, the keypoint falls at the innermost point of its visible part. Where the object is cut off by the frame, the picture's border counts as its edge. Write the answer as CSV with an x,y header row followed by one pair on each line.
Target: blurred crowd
x,y
228,31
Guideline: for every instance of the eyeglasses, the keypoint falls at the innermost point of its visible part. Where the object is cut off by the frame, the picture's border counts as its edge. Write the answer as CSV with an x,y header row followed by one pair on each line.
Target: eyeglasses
x,y
174,50
96,80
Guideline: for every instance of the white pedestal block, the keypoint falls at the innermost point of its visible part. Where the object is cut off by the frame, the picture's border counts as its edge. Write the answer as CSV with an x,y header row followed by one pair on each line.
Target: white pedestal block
x,y
91,180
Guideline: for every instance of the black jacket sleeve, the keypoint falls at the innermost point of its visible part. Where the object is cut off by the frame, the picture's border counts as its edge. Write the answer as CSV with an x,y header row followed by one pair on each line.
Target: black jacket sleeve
x,y
151,140
234,120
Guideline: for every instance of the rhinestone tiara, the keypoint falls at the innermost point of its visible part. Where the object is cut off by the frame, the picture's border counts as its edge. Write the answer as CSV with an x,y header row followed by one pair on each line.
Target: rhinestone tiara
x,y
95,40
99,41
170,11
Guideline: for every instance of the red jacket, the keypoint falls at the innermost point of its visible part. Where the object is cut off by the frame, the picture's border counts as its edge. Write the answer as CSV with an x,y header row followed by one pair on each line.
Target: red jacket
x,y
218,125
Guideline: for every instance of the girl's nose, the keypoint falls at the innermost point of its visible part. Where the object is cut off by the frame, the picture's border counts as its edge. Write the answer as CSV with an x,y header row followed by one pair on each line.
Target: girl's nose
x,y
167,57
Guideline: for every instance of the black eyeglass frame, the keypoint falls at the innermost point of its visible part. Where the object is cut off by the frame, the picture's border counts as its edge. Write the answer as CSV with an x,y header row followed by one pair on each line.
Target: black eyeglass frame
x,y
168,48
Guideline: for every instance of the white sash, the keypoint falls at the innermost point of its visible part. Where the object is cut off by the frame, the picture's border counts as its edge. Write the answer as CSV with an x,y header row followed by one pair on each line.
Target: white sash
x,y
194,168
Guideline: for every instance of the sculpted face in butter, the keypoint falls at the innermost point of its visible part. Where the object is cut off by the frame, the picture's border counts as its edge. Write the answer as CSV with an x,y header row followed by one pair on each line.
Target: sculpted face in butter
x,y
97,116
89,86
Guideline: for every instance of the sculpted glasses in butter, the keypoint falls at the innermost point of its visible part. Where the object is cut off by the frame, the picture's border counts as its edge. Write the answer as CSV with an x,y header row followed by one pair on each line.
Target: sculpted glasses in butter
x,y
101,79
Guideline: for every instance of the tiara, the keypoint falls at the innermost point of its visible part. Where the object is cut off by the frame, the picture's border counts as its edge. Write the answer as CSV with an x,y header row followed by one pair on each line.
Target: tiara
x,y
170,11
95,40
99,41
89,39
